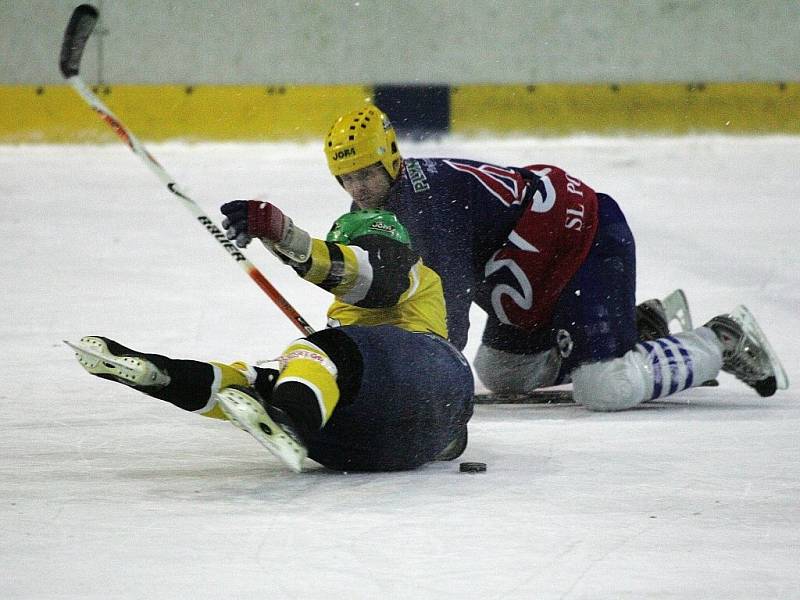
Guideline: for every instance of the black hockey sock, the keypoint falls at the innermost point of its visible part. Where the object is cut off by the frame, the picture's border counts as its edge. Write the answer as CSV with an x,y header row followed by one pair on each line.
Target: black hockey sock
x,y
300,403
190,382
265,382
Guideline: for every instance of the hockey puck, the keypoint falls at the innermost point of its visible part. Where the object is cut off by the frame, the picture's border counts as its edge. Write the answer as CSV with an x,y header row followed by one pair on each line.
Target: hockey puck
x,y
472,467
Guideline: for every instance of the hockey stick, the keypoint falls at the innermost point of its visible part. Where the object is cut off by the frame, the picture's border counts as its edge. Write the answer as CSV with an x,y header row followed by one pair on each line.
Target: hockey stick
x,y
79,28
535,397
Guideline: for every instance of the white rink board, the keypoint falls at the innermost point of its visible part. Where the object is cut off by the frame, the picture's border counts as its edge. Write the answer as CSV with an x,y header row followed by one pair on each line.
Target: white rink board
x,y
108,494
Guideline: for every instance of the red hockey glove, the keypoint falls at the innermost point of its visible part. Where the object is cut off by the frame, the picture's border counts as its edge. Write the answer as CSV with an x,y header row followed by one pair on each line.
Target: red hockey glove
x,y
246,219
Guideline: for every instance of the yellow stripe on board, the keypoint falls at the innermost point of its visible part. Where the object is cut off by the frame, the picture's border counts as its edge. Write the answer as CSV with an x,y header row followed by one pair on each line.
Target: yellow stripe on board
x,y
558,109
251,113
254,113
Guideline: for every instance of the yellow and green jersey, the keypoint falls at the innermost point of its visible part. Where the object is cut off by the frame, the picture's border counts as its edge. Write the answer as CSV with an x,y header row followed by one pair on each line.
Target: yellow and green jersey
x,y
377,281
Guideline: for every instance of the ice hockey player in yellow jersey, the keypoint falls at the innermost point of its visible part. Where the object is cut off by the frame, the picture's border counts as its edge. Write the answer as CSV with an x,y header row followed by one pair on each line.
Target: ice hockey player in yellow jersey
x,y
380,389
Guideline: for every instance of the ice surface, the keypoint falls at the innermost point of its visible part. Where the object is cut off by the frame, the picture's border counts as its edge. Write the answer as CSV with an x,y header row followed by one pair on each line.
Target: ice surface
x,y
108,494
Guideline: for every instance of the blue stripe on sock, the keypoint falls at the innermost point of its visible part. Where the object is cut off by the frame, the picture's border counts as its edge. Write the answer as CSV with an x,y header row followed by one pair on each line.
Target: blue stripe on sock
x,y
653,358
673,366
687,360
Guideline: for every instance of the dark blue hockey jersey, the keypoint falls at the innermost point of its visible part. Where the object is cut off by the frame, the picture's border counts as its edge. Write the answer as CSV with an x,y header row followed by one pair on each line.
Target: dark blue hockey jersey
x,y
460,212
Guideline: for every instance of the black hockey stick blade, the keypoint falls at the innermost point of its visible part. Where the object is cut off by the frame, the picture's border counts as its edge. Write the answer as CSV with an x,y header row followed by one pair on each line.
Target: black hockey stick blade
x,y
537,397
80,27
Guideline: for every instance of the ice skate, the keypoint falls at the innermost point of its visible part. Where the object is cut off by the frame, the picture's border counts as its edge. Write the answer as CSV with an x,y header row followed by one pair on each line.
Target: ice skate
x,y
654,316
107,359
651,320
676,308
271,427
747,353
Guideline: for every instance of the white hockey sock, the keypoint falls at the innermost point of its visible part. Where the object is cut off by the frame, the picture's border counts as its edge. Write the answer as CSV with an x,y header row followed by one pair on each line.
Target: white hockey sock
x,y
680,361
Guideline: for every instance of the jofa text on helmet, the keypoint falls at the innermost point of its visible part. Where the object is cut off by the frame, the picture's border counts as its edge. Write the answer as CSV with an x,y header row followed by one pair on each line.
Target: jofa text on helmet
x,y
382,226
345,153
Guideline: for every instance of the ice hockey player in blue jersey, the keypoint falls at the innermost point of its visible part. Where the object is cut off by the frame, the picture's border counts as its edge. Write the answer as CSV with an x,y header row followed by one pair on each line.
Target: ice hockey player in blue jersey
x,y
552,262
382,390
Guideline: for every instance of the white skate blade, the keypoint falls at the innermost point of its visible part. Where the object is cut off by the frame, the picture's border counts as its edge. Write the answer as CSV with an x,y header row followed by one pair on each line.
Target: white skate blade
x,y
94,356
676,308
246,413
752,328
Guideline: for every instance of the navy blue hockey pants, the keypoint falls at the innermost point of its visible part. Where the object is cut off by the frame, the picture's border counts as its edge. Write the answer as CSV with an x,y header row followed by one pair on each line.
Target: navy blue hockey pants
x,y
597,308
415,397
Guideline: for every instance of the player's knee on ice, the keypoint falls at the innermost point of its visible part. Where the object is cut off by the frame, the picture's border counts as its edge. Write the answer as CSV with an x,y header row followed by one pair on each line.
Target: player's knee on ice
x,y
508,373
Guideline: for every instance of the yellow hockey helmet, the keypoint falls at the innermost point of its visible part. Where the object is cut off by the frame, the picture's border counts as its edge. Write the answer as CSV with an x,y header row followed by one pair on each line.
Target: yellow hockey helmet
x,y
360,139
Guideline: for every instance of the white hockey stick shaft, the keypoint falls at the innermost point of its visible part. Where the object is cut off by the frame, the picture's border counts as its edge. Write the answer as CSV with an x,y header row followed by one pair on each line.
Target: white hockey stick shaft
x,y
78,31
